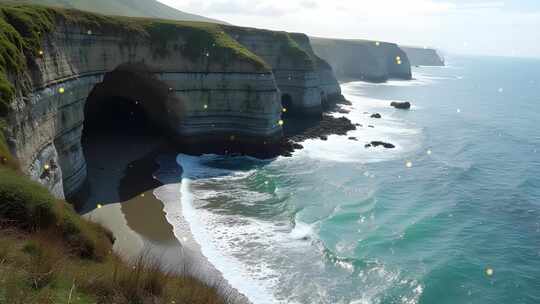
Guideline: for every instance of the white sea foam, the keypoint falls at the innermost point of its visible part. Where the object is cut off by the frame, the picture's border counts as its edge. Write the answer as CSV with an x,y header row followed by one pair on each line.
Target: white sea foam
x,y
218,241
394,128
302,231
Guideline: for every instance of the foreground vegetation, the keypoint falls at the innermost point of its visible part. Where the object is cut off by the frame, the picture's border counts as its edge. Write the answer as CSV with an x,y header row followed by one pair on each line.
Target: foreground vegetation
x,y
38,268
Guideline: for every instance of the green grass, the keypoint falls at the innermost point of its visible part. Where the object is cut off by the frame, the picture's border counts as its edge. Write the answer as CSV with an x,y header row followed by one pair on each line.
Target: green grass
x,y
289,48
29,206
37,268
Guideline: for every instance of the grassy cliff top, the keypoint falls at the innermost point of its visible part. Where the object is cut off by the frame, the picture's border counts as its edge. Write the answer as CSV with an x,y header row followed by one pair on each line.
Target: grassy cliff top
x,y
128,8
288,45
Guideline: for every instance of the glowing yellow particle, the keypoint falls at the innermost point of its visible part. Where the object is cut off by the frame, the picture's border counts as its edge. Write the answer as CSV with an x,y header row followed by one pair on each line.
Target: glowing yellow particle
x,y
398,62
205,106
142,195
408,164
89,32
99,206
489,272
280,122
61,90
398,58
40,53
377,43
284,110
46,167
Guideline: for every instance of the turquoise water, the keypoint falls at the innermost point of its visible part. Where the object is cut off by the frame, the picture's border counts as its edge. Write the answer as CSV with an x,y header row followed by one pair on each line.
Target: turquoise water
x,y
452,215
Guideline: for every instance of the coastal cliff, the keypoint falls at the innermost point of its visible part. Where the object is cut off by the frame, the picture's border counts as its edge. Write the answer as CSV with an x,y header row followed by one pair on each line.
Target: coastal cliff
x,y
305,81
362,59
423,56
199,85
211,88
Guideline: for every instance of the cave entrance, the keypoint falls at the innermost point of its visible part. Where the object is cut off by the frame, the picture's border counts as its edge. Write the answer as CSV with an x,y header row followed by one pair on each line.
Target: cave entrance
x,y
116,116
123,134
286,103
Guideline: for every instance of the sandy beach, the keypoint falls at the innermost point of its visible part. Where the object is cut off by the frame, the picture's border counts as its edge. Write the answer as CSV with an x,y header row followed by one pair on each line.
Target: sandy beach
x,y
122,197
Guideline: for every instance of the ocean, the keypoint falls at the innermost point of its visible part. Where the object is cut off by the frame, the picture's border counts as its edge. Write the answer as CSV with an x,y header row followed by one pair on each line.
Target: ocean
x,y
451,215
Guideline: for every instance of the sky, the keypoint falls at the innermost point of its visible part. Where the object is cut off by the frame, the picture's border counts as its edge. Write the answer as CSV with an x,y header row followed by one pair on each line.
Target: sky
x,y
479,27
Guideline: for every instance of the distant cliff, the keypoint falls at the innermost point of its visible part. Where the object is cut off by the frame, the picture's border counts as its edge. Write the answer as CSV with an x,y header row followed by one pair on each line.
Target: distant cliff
x,y
419,56
362,59
215,87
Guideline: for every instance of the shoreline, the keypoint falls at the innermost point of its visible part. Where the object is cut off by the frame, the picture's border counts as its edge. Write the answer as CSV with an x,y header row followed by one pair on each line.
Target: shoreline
x,y
127,193
127,204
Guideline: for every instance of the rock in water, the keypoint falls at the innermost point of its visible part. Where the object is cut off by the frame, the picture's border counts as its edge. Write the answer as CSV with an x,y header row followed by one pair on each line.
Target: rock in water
x,y
376,115
401,105
380,143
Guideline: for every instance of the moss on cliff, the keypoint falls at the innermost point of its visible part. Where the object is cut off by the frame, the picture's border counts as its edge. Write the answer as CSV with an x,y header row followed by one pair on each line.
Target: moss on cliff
x,y
289,48
200,40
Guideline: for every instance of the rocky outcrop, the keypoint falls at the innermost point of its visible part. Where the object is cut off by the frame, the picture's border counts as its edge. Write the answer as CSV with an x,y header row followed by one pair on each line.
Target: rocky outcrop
x,y
423,56
304,79
378,143
194,81
401,105
362,59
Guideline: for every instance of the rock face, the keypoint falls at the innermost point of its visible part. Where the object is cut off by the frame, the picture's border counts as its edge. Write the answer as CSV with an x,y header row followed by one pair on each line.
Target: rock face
x,y
423,56
196,83
328,84
365,60
305,81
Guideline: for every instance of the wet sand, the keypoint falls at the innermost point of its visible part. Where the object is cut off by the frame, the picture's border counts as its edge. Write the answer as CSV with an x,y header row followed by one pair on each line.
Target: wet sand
x,y
121,196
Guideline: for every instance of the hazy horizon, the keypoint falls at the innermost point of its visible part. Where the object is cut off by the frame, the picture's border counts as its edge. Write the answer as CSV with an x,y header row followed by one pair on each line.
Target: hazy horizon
x,y
478,27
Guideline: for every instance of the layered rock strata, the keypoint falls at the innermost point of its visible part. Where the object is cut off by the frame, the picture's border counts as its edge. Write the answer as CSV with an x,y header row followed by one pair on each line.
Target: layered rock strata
x,y
362,59
197,83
